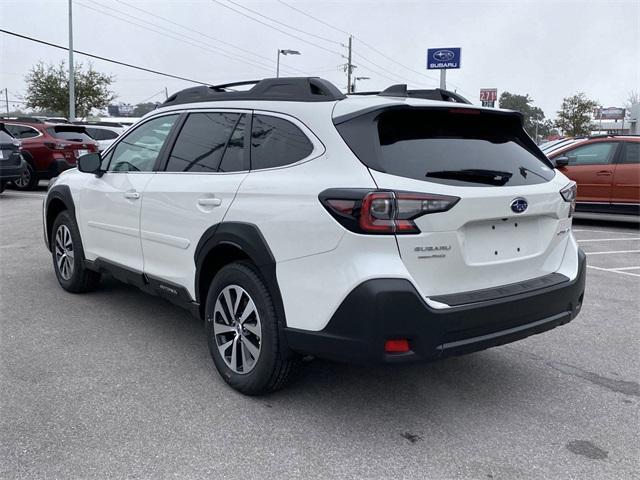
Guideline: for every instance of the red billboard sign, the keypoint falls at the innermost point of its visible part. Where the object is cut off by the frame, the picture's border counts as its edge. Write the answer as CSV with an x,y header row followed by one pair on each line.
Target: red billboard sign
x,y
488,94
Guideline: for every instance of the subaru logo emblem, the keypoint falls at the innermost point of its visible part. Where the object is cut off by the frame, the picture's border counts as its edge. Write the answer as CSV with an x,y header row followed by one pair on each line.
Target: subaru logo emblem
x,y
519,205
443,55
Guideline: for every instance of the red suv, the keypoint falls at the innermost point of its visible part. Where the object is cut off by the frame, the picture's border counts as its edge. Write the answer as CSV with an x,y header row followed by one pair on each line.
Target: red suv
x,y
606,169
48,148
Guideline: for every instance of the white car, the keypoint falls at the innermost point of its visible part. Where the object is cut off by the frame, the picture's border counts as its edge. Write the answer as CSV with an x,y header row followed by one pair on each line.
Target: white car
x,y
103,133
298,221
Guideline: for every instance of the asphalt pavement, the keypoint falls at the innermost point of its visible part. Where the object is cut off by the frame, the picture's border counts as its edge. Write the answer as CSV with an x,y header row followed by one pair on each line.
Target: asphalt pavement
x,y
119,384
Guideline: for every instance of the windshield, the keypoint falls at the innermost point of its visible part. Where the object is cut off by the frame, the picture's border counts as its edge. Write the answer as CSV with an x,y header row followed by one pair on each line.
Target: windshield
x,y
450,146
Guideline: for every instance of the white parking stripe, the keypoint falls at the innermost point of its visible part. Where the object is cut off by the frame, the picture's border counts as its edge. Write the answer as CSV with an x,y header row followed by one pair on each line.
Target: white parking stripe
x,y
625,268
604,231
613,251
607,239
614,271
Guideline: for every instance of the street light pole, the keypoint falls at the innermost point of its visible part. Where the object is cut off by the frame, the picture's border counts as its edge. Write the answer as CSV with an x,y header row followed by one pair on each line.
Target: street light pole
x,y
72,87
284,52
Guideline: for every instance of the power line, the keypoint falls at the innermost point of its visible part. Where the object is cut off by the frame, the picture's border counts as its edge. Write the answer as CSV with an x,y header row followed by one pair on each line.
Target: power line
x,y
203,34
146,25
98,57
276,28
359,39
320,37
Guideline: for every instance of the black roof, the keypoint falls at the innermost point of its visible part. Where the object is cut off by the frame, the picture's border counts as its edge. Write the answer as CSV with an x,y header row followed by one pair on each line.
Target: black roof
x,y
291,89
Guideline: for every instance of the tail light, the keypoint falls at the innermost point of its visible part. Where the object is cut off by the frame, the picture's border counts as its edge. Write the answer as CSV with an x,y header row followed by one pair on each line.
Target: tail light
x,y
382,211
569,194
57,145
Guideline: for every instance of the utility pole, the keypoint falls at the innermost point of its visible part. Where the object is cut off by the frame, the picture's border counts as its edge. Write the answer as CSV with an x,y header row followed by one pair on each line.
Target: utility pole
x,y
349,66
72,86
6,98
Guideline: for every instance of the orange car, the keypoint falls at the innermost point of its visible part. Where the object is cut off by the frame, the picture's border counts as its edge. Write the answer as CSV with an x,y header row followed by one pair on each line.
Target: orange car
x,y
606,169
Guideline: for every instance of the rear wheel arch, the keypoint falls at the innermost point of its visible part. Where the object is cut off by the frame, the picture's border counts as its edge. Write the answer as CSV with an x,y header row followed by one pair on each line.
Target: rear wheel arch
x,y
228,242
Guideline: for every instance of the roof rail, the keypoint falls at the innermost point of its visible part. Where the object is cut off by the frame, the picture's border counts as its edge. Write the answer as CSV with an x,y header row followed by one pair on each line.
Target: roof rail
x,y
21,119
291,89
400,90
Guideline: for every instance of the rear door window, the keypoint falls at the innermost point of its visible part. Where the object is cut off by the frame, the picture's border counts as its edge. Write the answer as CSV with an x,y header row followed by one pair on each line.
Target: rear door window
x,y
600,153
276,142
450,146
22,131
631,153
202,142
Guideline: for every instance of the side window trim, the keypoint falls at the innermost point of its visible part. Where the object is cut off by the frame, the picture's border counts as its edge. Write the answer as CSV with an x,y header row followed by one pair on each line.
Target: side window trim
x,y
163,157
123,137
318,147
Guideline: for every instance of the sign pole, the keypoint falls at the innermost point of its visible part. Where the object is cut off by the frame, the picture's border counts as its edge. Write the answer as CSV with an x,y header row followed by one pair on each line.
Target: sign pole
x,y
72,92
443,78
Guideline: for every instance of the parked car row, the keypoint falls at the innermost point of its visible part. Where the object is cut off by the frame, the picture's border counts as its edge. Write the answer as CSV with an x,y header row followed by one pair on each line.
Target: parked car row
x,y
11,162
606,169
51,147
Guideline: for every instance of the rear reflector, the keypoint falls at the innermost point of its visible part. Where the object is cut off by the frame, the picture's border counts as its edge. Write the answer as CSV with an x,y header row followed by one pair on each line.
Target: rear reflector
x,y
396,346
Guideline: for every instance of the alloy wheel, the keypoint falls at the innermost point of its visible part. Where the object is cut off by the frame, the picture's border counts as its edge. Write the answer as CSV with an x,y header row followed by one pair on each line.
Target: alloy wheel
x,y
237,329
64,252
23,180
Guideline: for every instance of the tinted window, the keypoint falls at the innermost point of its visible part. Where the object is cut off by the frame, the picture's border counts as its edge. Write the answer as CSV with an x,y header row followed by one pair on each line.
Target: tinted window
x,y
109,134
5,137
72,134
95,133
202,142
276,142
631,152
593,154
138,151
234,156
450,147
21,131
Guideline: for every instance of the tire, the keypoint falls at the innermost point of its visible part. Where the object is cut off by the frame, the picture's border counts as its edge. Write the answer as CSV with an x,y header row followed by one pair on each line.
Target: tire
x,y
68,256
28,180
246,332
2,186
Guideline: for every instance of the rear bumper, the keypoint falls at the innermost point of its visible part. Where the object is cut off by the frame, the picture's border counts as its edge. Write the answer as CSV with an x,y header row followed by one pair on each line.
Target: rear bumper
x,y
382,309
8,173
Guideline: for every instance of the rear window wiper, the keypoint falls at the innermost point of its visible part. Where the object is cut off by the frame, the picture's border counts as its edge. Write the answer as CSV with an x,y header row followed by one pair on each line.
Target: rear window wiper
x,y
489,177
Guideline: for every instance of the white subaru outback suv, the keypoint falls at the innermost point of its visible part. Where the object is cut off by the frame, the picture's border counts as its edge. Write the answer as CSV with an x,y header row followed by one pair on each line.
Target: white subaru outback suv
x,y
297,221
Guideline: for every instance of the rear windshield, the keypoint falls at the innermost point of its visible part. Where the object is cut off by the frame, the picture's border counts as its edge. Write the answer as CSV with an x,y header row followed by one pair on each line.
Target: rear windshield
x,y
69,133
449,146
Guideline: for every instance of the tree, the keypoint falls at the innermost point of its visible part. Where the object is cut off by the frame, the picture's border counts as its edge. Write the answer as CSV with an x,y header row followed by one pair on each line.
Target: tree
x,y
633,97
533,116
574,117
48,89
144,108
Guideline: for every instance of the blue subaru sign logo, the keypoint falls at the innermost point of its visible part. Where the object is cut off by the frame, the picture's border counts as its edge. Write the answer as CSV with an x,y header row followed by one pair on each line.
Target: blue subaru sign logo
x,y
440,58
519,205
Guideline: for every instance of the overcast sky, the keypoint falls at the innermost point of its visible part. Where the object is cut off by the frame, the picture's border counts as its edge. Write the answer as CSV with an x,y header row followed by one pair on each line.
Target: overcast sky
x,y
548,49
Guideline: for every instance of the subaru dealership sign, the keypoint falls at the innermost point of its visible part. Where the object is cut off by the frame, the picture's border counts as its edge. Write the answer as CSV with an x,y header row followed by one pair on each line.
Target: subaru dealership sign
x,y
439,58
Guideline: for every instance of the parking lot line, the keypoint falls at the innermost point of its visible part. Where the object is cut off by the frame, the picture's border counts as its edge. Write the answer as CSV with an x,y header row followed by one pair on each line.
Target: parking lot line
x,y
607,239
613,251
614,271
604,231
626,268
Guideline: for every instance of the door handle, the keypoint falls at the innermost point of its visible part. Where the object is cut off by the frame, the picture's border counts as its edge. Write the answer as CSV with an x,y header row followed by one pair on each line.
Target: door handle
x,y
209,202
132,195
603,173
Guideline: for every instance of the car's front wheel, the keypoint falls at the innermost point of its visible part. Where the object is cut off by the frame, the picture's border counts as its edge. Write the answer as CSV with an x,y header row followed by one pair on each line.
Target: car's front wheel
x,y
68,256
243,332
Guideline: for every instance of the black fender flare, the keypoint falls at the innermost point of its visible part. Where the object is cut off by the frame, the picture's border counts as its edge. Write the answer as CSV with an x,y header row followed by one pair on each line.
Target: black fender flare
x,y
249,239
63,194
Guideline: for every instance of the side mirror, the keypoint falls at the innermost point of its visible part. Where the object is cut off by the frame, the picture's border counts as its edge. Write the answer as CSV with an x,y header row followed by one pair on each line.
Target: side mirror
x,y
561,161
90,163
